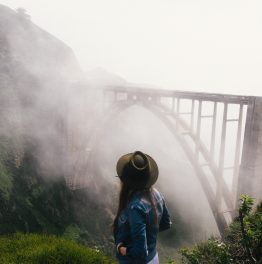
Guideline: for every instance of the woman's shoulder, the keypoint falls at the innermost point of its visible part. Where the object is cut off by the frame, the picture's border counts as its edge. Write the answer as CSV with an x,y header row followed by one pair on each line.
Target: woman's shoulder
x,y
136,200
157,194
139,201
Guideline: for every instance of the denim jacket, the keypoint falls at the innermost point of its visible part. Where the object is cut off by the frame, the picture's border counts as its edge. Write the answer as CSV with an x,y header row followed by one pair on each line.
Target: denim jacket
x,y
138,227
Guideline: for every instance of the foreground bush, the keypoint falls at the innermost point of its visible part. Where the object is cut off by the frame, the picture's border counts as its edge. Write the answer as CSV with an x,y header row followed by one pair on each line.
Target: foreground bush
x,y
244,236
207,252
242,242
41,249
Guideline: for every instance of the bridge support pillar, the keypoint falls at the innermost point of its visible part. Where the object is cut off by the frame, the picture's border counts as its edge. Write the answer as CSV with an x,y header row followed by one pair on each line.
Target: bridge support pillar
x,y
250,176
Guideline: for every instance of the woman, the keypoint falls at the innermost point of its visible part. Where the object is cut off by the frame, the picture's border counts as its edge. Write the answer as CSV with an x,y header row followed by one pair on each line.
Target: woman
x,y
142,212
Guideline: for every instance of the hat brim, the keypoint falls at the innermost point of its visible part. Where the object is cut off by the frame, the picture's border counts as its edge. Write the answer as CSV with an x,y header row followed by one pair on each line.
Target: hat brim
x,y
153,168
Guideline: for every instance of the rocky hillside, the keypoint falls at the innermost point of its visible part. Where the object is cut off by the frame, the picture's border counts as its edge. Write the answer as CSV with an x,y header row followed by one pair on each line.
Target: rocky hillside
x,y
36,72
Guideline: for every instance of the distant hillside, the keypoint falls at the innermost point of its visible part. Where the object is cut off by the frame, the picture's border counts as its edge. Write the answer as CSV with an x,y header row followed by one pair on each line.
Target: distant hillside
x,y
36,50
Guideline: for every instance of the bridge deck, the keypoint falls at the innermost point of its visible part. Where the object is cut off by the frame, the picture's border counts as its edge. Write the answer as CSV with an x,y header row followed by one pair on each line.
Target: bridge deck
x,y
214,97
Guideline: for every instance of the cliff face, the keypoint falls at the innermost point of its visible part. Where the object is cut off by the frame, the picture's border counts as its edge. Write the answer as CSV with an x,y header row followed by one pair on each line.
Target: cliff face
x,y
36,72
40,53
34,68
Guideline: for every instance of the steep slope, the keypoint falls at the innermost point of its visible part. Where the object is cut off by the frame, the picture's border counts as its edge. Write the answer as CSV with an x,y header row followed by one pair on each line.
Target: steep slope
x,y
36,72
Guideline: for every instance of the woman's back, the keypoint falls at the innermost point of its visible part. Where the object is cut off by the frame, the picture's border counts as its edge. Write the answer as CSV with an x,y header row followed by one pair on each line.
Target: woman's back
x,y
138,225
141,213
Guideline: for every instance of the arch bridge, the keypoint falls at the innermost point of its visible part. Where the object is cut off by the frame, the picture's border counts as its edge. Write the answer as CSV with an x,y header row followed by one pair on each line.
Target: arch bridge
x,y
220,135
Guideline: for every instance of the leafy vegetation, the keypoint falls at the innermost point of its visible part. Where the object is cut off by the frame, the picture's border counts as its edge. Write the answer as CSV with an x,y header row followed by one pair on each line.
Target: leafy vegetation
x,y
36,204
32,205
210,251
5,179
244,237
43,249
242,242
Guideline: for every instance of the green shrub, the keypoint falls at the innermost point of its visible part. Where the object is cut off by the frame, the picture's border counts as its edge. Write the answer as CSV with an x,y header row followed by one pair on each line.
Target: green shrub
x,y
251,241
241,243
72,232
42,249
211,251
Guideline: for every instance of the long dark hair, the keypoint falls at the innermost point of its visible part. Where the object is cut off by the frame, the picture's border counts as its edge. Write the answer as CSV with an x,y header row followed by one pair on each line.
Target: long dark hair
x,y
125,196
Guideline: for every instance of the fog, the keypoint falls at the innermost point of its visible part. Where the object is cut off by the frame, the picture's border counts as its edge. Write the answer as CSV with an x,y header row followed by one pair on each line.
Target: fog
x,y
56,105
138,129
203,45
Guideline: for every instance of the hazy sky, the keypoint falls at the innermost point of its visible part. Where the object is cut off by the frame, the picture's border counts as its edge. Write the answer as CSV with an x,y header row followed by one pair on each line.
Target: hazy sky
x,y
199,45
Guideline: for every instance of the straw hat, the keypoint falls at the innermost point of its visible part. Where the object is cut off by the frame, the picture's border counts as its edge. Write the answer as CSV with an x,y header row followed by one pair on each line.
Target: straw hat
x,y
137,170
